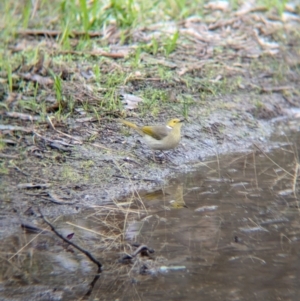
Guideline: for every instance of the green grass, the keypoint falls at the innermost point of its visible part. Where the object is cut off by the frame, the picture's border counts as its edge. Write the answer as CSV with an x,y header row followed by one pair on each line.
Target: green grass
x,y
187,101
70,175
9,76
274,4
171,42
99,95
3,170
69,15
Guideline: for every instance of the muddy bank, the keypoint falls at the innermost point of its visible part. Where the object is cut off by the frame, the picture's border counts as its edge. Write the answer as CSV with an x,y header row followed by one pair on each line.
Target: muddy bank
x,y
82,176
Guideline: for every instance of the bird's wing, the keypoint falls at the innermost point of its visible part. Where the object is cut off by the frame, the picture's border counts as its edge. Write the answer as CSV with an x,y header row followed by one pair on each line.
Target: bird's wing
x,y
157,132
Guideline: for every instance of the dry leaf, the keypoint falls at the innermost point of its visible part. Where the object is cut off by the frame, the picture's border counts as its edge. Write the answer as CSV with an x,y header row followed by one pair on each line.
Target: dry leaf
x,y
217,5
41,80
130,101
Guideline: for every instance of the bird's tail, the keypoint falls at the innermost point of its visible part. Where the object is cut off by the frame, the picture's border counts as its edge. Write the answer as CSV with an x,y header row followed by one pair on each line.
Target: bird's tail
x,y
130,124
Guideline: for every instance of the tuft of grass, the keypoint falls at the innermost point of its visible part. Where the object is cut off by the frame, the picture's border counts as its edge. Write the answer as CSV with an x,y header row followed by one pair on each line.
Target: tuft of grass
x,y
258,104
171,43
84,15
187,101
154,46
110,101
154,101
137,56
9,76
279,5
70,175
3,169
87,164
2,145
97,72
234,4
65,39
180,9
26,13
165,74
58,91
84,44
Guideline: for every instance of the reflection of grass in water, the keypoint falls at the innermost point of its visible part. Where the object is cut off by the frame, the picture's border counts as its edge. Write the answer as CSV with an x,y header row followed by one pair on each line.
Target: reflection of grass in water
x,y
114,219
111,224
293,175
111,220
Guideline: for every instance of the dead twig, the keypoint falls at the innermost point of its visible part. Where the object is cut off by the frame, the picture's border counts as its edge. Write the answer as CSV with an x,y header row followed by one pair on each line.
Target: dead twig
x,y
35,8
9,141
222,23
6,156
92,284
32,229
31,185
296,176
142,249
56,33
276,89
20,170
92,231
251,10
86,119
36,78
56,200
7,127
101,146
52,141
85,252
133,179
62,133
114,55
22,116
273,161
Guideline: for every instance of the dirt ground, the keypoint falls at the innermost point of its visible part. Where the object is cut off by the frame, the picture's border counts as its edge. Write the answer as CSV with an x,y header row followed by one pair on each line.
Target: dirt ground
x,y
62,147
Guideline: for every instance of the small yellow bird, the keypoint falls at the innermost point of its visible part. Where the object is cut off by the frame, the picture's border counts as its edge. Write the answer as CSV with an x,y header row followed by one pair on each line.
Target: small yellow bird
x,y
159,137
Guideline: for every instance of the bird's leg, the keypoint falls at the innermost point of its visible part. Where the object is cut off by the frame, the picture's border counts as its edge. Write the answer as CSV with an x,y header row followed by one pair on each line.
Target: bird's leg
x,y
155,159
153,154
166,155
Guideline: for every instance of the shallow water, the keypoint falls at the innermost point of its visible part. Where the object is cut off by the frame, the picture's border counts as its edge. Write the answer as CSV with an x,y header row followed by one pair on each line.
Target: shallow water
x,y
229,230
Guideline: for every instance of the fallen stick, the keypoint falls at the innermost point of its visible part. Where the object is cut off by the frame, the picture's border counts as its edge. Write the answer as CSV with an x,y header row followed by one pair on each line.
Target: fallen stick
x,y
85,252
55,33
